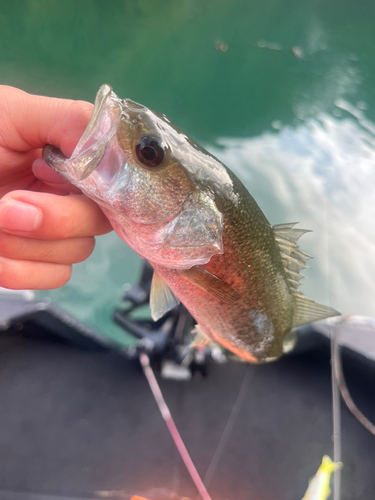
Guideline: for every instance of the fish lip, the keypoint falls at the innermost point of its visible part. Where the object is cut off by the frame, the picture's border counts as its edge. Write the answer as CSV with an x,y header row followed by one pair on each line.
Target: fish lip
x,y
93,143
54,158
101,98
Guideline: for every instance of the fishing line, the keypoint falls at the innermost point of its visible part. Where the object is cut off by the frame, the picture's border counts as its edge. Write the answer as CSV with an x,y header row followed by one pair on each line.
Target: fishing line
x,y
339,385
341,379
336,415
166,414
336,401
228,427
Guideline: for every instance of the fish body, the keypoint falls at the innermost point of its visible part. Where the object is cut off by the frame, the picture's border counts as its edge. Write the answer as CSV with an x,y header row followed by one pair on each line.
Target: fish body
x,y
209,242
318,488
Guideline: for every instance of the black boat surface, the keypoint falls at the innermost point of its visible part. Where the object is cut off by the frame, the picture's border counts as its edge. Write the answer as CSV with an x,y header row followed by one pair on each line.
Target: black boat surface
x,y
78,419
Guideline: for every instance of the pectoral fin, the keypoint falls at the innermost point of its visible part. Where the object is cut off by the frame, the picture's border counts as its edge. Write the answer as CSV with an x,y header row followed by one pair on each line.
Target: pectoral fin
x,y
162,299
210,283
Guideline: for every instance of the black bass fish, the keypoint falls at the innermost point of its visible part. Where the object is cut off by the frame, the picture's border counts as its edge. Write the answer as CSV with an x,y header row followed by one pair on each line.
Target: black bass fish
x,y
205,236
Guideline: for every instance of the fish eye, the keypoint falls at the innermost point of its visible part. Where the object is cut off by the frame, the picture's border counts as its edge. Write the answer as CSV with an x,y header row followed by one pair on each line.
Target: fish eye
x,y
149,151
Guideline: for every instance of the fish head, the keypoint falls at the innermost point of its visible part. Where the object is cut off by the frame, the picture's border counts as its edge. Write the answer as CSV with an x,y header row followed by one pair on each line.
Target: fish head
x,y
141,170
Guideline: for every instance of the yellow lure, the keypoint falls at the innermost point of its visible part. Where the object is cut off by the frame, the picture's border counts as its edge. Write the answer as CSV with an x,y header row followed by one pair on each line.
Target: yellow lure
x,y
318,488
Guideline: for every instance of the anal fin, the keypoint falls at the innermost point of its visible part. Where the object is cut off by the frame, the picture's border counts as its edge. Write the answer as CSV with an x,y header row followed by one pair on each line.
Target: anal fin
x,y
162,299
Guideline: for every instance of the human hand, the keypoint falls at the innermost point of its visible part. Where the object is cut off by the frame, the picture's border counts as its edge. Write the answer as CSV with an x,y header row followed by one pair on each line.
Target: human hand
x,y
45,224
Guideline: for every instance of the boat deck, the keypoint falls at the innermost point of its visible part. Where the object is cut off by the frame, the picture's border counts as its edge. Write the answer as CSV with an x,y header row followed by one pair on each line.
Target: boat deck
x,y
74,422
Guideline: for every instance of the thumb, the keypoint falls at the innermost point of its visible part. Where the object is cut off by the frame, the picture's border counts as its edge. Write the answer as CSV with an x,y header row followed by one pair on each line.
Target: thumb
x,y
30,122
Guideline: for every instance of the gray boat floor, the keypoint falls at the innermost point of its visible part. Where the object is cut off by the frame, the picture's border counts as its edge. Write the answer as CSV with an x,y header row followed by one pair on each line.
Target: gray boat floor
x,y
76,422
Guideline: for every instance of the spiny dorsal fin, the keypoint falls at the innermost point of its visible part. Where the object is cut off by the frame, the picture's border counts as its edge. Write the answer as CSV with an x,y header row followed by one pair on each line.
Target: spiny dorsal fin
x,y
293,258
287,232
162,299
307,310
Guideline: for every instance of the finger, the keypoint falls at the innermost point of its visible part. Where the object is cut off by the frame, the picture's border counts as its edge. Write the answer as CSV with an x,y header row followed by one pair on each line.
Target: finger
x,y
30,122
24,274
40,178
51,217
43,172
70,251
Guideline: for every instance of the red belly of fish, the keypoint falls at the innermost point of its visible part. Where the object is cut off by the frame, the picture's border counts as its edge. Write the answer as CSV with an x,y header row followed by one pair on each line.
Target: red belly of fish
x,y
224,322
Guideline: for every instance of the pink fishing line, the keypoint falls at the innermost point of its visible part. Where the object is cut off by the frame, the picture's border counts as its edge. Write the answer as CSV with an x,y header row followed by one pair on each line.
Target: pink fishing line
x,y
164,410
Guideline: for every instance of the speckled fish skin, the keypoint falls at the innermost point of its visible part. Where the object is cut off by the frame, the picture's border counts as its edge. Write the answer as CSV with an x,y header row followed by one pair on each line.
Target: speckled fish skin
x,y
194,221
253,325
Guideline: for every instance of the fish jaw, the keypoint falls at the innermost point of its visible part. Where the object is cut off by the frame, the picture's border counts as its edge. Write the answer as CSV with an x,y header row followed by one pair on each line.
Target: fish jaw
x,y
91,148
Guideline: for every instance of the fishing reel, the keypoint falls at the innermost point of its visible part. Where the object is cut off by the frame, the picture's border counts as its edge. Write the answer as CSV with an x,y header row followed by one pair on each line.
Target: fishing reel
x,y
169,342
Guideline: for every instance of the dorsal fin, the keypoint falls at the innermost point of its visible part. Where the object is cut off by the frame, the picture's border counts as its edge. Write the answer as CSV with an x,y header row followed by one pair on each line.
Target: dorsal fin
x,y
288,232
307,310
294,260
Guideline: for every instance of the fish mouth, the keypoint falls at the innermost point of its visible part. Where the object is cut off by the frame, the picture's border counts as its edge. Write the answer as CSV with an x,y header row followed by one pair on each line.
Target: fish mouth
x,y
93,144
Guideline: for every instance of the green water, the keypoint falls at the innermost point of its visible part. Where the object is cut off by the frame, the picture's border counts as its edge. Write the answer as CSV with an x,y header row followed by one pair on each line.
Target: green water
x,y
290,107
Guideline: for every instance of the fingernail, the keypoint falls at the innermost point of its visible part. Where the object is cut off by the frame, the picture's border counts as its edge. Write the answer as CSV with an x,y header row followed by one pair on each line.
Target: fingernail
x,y
16,215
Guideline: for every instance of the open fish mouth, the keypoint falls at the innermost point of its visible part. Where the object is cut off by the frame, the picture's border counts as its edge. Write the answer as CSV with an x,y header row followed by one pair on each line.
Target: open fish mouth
x,y
93,144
